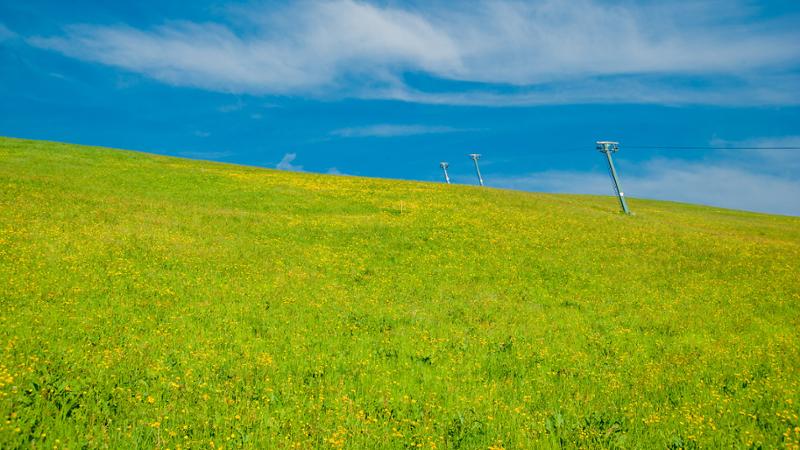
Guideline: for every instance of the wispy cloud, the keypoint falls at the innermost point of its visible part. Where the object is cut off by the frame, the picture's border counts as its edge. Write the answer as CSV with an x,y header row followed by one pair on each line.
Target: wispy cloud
x,y
232,107
393,130
549,51
757,143
6,33
286,163
756,181
206,155
334,171
775,155
724,90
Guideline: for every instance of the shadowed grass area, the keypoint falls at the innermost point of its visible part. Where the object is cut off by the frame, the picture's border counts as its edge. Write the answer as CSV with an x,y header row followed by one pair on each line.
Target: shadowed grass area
x,y
157,302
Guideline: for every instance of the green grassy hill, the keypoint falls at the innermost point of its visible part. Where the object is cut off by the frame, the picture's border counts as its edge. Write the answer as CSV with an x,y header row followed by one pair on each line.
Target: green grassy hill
x,y
157,302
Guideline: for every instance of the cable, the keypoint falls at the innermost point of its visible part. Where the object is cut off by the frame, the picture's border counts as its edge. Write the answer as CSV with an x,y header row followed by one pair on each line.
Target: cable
x,y
675,147
671,147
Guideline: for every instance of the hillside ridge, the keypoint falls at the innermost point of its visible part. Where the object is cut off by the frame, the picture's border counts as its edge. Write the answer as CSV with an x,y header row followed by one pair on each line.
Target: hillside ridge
x,y
150,301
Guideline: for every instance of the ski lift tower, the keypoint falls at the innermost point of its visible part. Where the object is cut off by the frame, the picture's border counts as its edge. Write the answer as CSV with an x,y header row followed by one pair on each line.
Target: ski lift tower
x,y
475,157
609,147
444,167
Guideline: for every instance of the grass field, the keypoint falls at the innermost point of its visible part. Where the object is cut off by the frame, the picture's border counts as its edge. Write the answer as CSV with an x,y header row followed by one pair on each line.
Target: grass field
x,y
155,302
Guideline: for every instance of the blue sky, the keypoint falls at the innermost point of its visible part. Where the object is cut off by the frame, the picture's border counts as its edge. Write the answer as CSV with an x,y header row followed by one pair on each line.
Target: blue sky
x,y
390,88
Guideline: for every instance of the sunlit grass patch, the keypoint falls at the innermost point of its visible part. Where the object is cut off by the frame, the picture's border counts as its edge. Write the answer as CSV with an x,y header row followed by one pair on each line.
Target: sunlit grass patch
x,y
156,302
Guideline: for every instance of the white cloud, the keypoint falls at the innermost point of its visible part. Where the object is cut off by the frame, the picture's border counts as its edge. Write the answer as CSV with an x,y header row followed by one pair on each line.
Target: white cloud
x,y
755,183
334,171
392,130
775,155
232,107
6,34
557,51
746,90
757,143
286,163
304,47
206,155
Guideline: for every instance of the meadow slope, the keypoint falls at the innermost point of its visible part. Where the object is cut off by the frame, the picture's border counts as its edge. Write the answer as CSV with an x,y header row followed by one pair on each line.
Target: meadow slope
x,y
154,302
